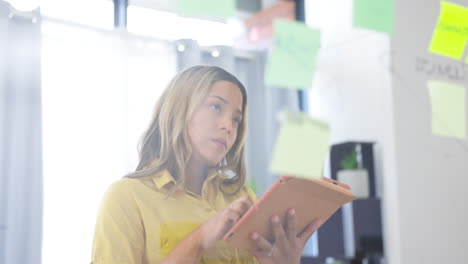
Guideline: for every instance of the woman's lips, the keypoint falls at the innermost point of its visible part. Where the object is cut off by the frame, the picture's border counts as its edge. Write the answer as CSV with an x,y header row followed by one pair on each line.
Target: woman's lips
x,y
220,143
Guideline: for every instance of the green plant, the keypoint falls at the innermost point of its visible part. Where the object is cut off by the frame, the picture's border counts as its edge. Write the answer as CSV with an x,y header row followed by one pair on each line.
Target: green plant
x,y
253,184
349,161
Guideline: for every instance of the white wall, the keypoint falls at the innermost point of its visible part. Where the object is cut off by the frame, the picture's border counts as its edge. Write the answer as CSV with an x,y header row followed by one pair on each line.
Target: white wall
x,y
432,170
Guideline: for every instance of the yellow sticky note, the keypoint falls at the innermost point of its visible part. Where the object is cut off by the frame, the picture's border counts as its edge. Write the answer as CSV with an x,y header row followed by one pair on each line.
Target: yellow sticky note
x,y
206,8
448,109
291,63
301,147
451,33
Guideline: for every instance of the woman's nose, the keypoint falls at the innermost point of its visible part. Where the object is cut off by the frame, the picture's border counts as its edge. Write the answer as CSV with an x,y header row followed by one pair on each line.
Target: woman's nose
x,y
226,124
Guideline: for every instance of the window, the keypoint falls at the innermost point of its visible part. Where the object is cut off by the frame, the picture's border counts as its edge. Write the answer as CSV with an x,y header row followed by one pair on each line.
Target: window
x,y
99,90
92,13
150,22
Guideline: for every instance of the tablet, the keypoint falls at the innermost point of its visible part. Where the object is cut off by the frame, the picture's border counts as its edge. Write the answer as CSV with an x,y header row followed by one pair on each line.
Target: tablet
x,y
310,198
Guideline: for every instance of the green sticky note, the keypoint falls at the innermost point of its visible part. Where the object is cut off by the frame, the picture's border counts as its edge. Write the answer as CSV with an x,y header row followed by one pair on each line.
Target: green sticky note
x,y
206,8
301,147
448,109
451,33
374,14
291,62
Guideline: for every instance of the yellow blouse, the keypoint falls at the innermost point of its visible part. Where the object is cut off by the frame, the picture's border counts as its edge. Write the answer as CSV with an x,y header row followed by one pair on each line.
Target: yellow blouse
x,y
139,223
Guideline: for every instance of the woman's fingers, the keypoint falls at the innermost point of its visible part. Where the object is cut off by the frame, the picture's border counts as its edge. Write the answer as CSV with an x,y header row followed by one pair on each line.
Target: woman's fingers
x,y
287,247
291,232
242,204
236,210
263,246
309,230
232,217
216,227
278,229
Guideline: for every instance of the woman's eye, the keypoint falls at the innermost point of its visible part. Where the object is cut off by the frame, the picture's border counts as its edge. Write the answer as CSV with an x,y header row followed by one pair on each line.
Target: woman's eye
x,y
237,121
216,107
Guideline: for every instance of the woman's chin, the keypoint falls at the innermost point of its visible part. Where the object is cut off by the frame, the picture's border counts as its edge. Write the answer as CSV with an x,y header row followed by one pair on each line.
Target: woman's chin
x,y
213,162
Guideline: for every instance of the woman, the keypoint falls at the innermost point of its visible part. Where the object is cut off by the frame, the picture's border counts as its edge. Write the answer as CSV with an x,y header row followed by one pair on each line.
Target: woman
x,y
179,203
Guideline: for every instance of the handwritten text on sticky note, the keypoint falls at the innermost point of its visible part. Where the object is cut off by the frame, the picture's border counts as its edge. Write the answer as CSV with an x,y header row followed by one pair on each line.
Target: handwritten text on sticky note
x,y
451,32
291,63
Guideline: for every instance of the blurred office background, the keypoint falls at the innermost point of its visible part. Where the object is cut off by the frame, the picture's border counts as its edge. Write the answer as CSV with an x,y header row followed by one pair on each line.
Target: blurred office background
x,y
79,80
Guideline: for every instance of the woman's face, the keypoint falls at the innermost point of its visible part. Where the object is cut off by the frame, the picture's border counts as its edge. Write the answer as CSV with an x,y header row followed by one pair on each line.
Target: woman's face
x,y
213,127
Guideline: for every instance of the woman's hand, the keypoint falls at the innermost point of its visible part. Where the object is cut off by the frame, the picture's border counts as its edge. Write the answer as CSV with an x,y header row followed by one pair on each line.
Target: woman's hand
x,y
217,226
191,248
287,246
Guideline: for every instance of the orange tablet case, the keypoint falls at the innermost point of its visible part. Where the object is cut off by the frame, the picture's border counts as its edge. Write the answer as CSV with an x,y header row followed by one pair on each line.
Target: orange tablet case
x,y
310,198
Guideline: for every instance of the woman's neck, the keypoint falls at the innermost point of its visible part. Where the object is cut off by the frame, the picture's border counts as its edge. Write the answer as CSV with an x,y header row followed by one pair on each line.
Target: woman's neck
x,y
196,174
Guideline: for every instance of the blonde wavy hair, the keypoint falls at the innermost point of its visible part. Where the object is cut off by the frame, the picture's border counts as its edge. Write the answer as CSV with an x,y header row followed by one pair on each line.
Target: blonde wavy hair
x,y
167,139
